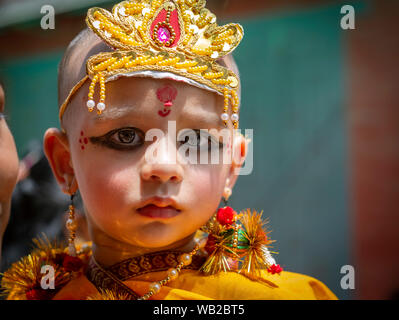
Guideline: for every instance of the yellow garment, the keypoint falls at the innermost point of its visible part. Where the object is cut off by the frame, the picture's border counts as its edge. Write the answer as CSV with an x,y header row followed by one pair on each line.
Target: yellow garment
x,y
191,285
21,281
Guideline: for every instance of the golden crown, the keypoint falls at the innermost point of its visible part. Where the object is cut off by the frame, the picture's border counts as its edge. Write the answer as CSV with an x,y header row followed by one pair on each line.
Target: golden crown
x,y
177,36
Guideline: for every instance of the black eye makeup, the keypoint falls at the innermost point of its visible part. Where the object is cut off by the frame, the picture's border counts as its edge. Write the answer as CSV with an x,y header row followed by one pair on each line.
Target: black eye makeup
x,y
127,138
199,139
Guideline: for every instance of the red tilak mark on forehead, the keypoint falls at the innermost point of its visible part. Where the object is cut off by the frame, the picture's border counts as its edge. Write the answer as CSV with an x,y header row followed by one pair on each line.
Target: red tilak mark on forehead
x,y
164,112
166,95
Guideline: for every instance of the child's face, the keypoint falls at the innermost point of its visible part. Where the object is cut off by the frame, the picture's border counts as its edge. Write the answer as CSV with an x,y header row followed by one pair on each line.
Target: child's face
x,y
114,177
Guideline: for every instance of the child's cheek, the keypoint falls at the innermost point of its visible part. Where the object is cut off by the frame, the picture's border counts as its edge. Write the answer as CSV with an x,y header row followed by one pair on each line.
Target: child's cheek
x,y
207,183
105,188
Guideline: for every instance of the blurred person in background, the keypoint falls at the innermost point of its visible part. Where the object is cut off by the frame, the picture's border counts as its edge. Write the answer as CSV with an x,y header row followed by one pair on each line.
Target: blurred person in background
x,y
29,192
36,206
8,168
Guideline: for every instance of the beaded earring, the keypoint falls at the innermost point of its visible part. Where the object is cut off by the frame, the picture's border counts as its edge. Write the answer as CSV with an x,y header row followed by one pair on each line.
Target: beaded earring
x,y
225,199
71,225
226,195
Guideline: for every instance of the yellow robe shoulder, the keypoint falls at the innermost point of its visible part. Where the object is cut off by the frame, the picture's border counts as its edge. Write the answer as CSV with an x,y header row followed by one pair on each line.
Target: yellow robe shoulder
x,y
223,286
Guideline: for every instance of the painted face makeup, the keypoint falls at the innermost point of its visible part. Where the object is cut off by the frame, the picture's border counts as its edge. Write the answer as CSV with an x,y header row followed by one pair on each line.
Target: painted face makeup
x,y
123,139
83,140
166,95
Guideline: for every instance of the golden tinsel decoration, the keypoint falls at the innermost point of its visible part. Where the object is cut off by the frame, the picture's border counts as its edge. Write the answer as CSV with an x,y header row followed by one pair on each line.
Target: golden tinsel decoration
x,y
255,259
23,276
22,281
238,242
217,260
107,294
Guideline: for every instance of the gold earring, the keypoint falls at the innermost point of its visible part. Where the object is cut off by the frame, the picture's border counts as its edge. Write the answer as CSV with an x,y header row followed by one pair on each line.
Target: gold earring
x,y
226,195
71,225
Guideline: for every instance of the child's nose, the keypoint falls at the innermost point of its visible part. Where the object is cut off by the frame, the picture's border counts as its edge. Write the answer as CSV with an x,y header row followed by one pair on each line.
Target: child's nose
x,y
162,172
161,163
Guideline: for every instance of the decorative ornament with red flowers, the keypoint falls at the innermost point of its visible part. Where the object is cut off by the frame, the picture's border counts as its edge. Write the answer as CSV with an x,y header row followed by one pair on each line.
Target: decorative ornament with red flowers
x,y
275,268
238,240
226,216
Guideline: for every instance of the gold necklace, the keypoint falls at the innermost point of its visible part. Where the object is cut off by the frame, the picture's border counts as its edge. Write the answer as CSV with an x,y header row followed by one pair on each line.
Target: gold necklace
x,y
184,259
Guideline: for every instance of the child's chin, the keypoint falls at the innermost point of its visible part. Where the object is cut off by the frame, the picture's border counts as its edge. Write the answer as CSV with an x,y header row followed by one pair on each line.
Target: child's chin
x,y
158,242
157,236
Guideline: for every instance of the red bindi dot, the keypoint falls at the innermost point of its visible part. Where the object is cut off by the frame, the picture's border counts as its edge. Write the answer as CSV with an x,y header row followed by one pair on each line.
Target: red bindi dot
x,y
80,140
83,147
81,133
85,140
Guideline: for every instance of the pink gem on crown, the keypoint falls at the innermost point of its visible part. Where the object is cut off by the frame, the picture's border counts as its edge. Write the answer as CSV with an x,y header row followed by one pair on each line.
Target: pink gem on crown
x,y
163,34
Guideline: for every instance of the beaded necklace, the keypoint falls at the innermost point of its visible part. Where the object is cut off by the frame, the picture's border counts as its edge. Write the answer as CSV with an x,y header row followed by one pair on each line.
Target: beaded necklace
x,y
184,259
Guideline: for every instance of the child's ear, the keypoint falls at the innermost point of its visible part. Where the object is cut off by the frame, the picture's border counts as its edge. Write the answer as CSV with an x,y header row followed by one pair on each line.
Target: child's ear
x,y
239,153
57,151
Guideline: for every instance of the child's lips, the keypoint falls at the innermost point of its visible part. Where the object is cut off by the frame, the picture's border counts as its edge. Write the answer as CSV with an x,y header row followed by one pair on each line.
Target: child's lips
x,y
153,211
159,207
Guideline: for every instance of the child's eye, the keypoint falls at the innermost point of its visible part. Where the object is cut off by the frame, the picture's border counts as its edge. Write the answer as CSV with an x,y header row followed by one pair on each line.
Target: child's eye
x,y
121,139
125,136
199,139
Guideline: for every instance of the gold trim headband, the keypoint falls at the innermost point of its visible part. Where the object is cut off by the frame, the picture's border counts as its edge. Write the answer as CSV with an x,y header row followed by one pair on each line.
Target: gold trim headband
x,y
176,36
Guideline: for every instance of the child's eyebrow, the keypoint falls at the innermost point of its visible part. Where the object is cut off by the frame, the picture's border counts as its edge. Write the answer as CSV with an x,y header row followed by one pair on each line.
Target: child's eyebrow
x,y
115,113
203,119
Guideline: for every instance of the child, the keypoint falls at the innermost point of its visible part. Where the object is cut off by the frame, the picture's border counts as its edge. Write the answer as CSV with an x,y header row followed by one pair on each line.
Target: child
x,y
169,72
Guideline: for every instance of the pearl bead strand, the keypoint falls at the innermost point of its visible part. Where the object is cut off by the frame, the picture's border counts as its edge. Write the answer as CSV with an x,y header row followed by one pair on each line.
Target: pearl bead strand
x,y
184,259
